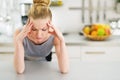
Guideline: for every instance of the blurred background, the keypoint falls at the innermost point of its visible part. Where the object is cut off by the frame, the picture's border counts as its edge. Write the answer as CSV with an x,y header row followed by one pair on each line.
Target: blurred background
x,y
70,16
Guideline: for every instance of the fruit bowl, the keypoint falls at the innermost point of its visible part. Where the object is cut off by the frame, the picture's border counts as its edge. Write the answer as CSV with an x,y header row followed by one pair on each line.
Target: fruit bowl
x,y
96,38
97,32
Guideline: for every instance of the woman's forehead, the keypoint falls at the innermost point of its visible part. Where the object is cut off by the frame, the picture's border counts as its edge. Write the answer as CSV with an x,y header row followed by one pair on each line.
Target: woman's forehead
x,y
40,23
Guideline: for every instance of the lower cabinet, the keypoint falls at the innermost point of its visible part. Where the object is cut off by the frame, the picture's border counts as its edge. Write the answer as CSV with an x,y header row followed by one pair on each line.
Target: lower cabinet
x,y
95,54
74,51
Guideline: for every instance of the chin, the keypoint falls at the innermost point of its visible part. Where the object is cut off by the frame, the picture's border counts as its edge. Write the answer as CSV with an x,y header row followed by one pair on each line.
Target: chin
x,y
39,40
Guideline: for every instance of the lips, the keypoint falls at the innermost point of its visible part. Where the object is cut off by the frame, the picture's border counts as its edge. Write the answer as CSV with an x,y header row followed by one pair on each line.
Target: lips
x,y
38,38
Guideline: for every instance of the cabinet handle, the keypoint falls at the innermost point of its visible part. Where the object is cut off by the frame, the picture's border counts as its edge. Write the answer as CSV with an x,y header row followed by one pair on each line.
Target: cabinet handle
x,y
97,52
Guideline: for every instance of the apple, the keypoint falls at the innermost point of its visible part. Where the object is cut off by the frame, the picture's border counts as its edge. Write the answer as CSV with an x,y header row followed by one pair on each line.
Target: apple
x,y
107,31
101,32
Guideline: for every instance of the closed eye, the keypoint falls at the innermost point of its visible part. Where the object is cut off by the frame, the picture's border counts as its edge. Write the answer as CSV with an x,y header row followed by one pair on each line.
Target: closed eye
x,y
34,29
44,29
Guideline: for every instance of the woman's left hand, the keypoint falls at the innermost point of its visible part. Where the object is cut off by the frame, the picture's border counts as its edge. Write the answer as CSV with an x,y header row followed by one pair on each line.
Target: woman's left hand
x,y
60,48
54,31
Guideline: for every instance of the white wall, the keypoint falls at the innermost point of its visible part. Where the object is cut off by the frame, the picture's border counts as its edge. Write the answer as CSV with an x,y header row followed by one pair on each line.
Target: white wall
x,y
64,18
70,20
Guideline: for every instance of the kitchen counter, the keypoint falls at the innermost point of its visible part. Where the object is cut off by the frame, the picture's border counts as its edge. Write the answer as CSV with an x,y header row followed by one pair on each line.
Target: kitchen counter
x,y
36,70
76,39
70,39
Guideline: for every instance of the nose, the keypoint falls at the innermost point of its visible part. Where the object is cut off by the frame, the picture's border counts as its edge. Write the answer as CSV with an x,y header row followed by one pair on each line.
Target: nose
x,y
39,34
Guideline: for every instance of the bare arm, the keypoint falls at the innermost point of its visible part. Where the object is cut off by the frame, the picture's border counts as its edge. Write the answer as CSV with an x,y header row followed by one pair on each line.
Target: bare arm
x,y
18,55
19,63
60,49
62,55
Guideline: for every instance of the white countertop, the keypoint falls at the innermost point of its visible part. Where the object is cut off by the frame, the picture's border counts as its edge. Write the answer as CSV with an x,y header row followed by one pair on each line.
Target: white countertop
x,y
49,71
82,40
72,38
6,43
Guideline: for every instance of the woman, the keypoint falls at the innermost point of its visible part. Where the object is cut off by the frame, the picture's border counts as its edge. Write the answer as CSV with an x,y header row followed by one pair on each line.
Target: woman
x,y
36,39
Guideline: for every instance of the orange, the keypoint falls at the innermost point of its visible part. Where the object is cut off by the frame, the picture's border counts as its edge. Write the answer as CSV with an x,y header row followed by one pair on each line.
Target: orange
x,y
94,27
94,33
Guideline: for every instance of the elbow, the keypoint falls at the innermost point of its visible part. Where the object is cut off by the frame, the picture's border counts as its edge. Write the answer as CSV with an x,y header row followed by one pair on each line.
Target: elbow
x,y
19,68
64,71
20,71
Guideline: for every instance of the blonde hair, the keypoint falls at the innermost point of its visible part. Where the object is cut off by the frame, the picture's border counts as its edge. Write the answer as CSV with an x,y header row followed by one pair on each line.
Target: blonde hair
x,y
40,9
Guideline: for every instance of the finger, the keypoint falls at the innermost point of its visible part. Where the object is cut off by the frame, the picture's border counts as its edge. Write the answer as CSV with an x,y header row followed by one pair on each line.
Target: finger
x,y
28,21
28,28
50,26
51,29
24,27
50,23
50,33
28,25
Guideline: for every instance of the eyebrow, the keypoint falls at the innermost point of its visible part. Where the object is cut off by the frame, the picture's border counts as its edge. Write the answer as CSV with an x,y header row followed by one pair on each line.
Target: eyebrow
x,y
41,28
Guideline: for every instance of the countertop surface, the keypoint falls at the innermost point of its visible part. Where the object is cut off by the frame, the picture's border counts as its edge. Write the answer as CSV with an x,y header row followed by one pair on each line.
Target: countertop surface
x,y
70,39
36,70
76,39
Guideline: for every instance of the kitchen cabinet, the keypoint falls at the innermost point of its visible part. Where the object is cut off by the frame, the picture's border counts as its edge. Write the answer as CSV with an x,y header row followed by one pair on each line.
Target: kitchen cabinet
x,y
100,53
73,51
93,51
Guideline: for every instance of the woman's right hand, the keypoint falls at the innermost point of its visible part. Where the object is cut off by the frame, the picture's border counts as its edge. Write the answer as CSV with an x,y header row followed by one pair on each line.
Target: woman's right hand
x,y
26,29
19,48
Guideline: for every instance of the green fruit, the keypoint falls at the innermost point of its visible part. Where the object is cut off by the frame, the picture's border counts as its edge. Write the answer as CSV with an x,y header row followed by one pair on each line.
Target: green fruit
x,y
100,32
